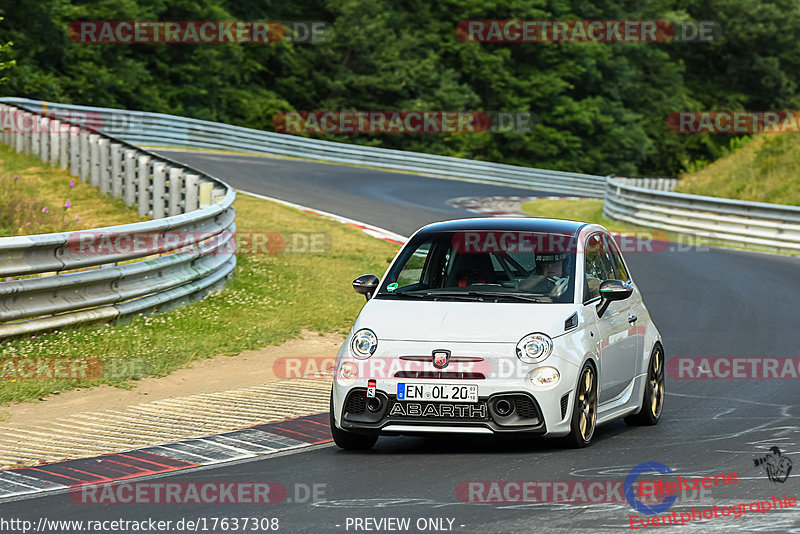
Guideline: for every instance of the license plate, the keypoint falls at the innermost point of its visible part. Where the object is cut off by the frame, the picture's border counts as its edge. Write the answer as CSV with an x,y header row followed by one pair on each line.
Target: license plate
x,y
437,392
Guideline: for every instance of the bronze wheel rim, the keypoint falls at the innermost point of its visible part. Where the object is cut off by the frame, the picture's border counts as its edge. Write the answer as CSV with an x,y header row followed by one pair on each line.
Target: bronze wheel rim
x,y
655,376
587,404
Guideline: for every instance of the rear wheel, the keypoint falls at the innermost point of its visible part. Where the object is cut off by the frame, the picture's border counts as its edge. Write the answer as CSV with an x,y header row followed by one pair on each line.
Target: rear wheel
x,y
349,440
653,397
584,411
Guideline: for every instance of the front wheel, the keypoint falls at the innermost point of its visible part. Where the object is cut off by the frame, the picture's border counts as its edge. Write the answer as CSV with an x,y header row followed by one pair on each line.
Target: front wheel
x,y
348,440
584,411
653,397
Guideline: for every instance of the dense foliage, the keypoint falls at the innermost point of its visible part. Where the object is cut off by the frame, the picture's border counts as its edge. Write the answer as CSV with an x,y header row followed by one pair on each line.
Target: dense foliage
x,y
602,107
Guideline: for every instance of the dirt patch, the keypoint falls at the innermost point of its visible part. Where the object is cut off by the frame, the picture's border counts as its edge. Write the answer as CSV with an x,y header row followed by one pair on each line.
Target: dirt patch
x,y
310,353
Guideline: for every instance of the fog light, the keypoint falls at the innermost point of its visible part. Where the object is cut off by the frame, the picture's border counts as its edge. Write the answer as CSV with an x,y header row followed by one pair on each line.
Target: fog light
x,y
503,408
348,371
545,377
374,404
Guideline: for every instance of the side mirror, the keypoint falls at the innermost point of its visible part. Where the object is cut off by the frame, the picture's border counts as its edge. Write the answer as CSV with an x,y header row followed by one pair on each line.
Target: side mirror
x,y
611,290
366,284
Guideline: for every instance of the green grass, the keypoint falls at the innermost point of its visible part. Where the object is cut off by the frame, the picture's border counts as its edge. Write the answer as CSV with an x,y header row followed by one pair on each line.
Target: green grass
x,y
767,169
33,195
270,299
584,209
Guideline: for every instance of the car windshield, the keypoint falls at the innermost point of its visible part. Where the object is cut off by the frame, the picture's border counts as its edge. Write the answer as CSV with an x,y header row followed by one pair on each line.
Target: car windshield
x,y
489,266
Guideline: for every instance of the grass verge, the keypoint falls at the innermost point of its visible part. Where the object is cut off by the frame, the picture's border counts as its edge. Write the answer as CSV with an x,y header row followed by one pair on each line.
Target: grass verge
x,y
583,209
270,299
36,198
767,169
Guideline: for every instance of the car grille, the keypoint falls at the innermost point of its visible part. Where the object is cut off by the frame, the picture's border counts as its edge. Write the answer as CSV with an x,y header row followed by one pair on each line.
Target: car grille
x,y
438,375
356,403
524,407
564,402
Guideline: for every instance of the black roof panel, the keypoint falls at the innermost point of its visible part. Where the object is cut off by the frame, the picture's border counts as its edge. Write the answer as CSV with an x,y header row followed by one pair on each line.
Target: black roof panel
x,y
510,224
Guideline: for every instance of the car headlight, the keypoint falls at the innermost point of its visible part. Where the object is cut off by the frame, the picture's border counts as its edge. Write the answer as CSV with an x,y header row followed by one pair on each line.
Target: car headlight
x,y
545,377
364,343
534,348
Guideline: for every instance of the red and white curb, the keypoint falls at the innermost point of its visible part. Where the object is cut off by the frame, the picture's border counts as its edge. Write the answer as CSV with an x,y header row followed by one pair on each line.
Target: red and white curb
x,y
374,231
499,206
259,440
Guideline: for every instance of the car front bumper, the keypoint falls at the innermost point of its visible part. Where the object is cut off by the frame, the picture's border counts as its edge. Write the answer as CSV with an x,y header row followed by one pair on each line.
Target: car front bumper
x,y
536,410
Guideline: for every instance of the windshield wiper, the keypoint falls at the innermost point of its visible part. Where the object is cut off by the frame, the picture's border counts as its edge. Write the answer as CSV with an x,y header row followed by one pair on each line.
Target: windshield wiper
x,y
516,296
461,295
495,294
402,293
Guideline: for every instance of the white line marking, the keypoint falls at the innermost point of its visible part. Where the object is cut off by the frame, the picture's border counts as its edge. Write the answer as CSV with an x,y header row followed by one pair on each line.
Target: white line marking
x,y
380,231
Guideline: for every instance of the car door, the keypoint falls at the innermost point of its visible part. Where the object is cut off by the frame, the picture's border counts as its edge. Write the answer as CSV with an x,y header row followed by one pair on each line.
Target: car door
x,y
613,345
629,312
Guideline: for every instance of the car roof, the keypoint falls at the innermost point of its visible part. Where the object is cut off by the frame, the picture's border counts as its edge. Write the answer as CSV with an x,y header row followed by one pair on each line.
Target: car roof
x,y
508,224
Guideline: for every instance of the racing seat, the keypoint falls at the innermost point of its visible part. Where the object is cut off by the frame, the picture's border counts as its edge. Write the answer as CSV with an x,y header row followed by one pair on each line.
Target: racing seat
x,y
471,269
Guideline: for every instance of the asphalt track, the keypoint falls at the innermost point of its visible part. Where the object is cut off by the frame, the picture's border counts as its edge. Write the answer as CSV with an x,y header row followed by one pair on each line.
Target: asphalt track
x,y
706,302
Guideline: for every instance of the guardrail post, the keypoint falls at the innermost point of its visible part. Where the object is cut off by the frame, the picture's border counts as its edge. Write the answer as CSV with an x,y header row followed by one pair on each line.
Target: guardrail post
x,y
116,170
94,160
74,151
216,194
29,126
105,167
175,190
44,139
3,120
144,185
19,136
129,186
159,172
55,141
192,192
50,134
205,193
63,144
86,155
36,138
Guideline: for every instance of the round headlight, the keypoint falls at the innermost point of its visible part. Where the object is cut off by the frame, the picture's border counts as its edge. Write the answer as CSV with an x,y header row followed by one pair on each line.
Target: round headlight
x,y
534,348
545,377
364,343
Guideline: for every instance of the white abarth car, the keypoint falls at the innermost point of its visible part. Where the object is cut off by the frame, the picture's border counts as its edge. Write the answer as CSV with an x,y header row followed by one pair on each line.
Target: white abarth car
x,y
495,326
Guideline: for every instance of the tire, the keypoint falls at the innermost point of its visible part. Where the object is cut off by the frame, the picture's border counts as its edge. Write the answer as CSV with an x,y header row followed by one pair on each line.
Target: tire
x,y
348,440
584,409
653,396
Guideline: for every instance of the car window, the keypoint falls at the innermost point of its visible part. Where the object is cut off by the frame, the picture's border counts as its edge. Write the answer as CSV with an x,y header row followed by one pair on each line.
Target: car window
x,y
599,265
616,259
411,273
500,264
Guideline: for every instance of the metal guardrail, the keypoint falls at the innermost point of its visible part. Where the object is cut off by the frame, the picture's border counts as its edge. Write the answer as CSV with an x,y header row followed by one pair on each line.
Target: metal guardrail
x,y
80,284
659,184
158,129
737,222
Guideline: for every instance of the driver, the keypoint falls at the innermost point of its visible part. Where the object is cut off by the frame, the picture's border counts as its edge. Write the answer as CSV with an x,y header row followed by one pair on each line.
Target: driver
x,y
549,276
